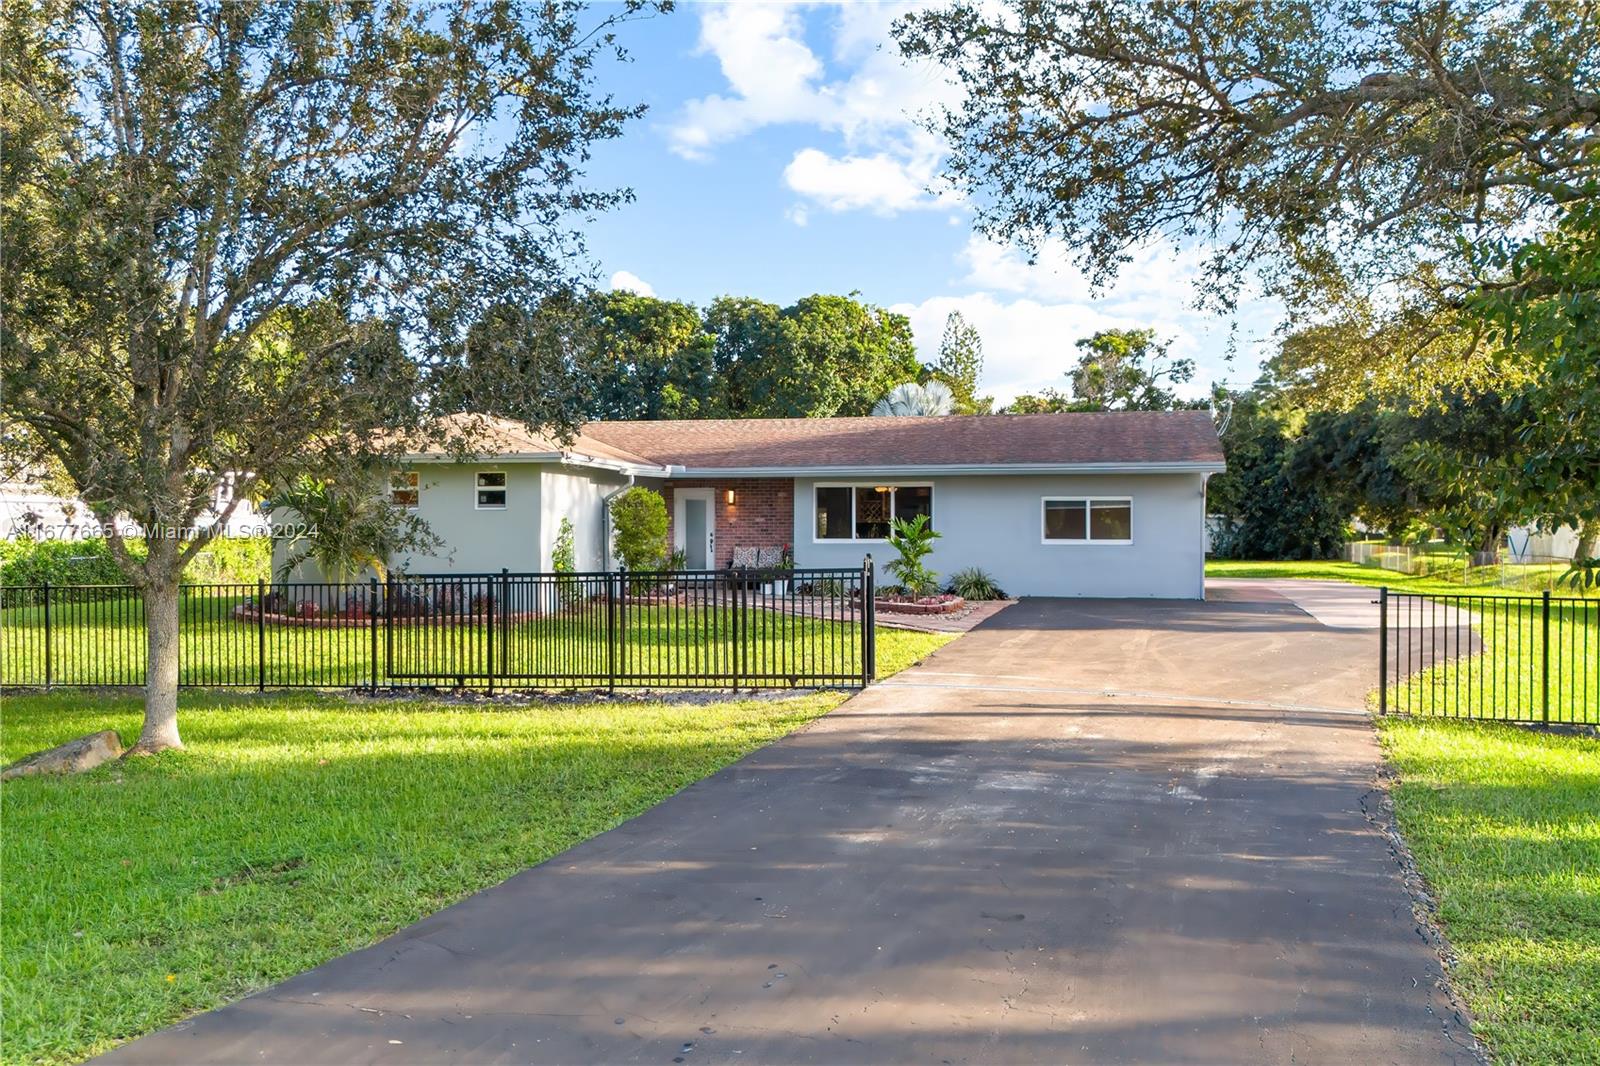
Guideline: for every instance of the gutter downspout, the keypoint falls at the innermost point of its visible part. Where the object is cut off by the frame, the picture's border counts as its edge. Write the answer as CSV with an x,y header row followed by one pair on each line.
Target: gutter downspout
x,y
605,523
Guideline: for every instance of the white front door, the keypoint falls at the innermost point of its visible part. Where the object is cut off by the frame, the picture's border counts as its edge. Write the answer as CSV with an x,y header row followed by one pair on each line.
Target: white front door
x,y
694,527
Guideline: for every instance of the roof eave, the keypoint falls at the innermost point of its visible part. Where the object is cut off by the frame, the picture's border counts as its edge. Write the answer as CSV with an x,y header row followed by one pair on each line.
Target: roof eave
x,y
951,469
562,458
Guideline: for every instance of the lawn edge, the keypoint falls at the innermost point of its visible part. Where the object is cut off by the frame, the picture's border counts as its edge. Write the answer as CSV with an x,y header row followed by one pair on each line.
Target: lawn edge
x,y
1377,805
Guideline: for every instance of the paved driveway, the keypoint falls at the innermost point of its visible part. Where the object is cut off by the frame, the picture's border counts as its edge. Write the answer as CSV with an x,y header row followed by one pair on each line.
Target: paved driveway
x,y
986,859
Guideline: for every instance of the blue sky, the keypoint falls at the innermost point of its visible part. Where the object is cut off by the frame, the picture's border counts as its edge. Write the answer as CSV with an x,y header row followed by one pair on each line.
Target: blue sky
x,y
781,157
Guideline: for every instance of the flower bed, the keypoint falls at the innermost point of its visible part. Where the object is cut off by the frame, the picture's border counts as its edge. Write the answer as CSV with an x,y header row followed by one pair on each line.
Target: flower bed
x,y
944,603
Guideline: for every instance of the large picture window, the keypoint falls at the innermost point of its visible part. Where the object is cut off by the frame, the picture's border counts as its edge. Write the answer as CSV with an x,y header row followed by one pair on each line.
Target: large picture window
x,y
865,512
1088,520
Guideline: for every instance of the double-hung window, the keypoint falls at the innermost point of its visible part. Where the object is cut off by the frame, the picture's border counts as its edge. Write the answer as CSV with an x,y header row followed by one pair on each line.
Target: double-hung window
x,y
491,490
405,489
866,512
1087,520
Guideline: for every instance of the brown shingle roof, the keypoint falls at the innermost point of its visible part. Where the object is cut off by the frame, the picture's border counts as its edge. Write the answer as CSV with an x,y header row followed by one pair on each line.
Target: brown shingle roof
x,y
489,435
1108,437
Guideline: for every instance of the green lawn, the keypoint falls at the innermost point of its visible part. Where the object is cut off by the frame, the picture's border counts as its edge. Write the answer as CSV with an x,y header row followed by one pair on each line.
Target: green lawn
x,y
1505,824
1338,570
298,826
1502,680
102,642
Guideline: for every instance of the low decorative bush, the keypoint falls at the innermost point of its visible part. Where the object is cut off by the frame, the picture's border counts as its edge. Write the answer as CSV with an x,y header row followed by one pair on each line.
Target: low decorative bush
x,y
974,583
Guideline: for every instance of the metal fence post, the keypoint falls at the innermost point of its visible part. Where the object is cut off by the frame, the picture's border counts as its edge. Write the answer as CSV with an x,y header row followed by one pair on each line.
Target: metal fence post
x,y
736,587
614,584
261,635
47,655
388,626
1544,642
488,628
505,624
372,626
869,622
1383,650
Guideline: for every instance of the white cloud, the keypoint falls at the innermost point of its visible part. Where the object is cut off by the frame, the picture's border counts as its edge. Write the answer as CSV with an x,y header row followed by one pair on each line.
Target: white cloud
x,y
773,77
1030,315
629,282
880,182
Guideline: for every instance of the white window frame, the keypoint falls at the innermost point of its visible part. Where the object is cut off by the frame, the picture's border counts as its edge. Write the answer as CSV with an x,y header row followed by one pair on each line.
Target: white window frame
x,y
894,486
506,488
413,483
1088,519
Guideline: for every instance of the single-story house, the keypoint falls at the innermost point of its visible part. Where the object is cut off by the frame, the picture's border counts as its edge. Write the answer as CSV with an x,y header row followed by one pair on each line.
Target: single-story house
x,y
1104,504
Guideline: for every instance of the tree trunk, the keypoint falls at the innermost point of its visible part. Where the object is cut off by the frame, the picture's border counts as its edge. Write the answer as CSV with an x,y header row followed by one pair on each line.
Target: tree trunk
x,y
160,730
1588,539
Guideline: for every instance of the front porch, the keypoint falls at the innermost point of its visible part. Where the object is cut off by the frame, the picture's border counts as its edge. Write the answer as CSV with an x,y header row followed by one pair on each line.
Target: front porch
x,y
708,519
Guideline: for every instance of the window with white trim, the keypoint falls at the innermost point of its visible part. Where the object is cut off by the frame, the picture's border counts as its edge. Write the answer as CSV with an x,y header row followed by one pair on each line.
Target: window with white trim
x,y
1087,520
405,489
491,490
866,512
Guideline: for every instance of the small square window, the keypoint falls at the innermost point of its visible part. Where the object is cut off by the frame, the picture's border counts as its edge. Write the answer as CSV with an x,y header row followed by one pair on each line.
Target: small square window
x,y
404,489
491,490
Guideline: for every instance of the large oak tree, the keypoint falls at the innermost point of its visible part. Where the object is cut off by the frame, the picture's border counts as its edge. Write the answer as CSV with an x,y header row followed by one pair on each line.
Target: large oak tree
x,y
240,237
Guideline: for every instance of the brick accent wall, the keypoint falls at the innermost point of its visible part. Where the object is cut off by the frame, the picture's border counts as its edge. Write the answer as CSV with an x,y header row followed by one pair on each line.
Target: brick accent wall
x,y
761,515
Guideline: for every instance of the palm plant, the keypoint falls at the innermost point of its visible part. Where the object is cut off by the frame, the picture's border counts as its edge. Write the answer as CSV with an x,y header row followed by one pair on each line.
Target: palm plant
x,y
344,529
911,398
913,540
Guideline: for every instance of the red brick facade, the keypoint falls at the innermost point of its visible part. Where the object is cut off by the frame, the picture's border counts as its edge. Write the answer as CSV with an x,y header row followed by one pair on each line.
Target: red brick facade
x,y
761,515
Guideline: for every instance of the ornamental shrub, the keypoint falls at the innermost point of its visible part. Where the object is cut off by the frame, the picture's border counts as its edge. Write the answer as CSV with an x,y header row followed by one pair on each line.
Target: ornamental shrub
x,y
639,529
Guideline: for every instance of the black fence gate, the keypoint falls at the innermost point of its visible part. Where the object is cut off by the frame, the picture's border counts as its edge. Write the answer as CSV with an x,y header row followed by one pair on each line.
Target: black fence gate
x,y
1533,659
733,629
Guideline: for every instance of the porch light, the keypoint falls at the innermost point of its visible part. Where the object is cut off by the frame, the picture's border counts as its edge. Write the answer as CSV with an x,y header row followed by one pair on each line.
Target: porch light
x,y
730,497
882,488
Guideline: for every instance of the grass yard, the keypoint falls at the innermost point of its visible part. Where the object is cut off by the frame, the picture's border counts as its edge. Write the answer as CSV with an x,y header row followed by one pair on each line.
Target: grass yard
x,y
1505,825
298,826
1356,573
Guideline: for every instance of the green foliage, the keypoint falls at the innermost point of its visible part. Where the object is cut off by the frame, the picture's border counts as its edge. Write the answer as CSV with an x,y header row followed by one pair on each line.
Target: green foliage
x,y
345,528
913,540
1117,370
1305,140
250,239
1127,370
960,366
1046,401
563,555
564,560
91,562
974,583
1266,512
639,528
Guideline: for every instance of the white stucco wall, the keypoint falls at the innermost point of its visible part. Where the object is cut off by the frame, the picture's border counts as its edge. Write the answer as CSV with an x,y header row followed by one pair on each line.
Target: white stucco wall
x,y
995,522
578,494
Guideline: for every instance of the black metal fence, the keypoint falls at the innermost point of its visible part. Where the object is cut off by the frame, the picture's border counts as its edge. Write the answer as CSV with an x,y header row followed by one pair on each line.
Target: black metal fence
x,y
1503,658
699,629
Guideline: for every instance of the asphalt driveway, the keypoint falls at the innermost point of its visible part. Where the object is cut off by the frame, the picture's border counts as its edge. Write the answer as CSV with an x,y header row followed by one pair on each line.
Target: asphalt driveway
x,y
1086,832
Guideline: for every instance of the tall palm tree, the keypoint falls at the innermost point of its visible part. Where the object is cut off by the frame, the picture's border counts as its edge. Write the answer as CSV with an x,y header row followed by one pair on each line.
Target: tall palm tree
x,y
932,398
